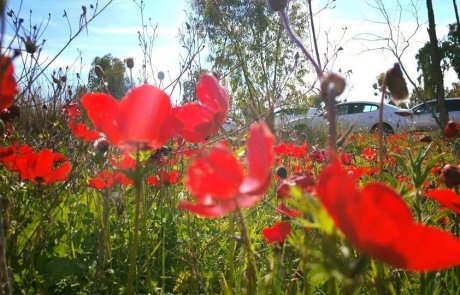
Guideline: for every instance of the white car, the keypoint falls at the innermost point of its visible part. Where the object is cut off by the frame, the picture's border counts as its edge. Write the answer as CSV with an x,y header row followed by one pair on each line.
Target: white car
x,y
364,115
423,114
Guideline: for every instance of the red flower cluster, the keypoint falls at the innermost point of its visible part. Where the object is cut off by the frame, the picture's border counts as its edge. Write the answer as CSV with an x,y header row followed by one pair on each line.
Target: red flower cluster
x,y
107,179
277,233
164,178
145,117
217,181
7,83
291,150
43,167
82,131
377,221
369,154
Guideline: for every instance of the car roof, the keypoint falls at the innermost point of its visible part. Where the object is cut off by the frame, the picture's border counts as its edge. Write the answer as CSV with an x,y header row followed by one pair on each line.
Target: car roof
x,y
434,100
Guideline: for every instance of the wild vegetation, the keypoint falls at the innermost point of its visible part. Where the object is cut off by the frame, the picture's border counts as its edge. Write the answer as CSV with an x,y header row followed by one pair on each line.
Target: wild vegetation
x,y
109,187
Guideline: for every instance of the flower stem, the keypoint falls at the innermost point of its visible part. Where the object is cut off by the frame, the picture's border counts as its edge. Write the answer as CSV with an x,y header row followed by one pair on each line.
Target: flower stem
x,y
298,42
250,270
133,247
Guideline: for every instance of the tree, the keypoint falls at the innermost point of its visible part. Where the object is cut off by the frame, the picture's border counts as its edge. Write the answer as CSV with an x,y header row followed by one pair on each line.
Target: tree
x,y
114,76
251,53
437,75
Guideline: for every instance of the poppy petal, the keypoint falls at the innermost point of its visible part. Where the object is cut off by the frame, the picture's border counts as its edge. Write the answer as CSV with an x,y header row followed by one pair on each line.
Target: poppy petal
x,y
217,173
103,110
261,156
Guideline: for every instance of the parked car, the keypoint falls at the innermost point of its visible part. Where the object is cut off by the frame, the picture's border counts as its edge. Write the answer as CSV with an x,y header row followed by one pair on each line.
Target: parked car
x,y
364,115
423,114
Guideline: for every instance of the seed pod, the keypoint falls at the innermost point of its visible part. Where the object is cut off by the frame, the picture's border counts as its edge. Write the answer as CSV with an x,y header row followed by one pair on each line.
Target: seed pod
x,y
328,79
101,145
277,5
451,175
99,71
281,171
129,62
396,83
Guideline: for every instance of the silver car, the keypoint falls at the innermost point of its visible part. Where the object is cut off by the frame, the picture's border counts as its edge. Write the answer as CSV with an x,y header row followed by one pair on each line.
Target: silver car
x,y
364,115
423,114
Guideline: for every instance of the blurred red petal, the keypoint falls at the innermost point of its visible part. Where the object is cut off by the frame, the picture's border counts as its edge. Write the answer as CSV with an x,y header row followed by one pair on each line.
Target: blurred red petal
x,y
210,211
103,111
377,221
7,83
194,123
261,156
447,198
217,173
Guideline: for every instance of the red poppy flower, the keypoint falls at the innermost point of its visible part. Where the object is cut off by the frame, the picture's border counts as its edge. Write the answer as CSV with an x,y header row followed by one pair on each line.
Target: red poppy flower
x,y
217,181
369,153
7,83
166,178
277,233
9,155
288,212
291,150
447,198
71,111
82,131
141,118
43,167
378,222
196,122
107,179
345,158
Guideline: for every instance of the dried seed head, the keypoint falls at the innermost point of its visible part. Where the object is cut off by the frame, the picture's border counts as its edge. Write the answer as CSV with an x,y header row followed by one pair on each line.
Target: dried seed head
x,y
281,171
101,145
99,71
31,46
396,83
277,5
129,62
336,79
451,175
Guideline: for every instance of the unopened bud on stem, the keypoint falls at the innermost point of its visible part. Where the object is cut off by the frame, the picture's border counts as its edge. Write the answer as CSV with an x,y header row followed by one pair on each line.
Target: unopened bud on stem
x,y
99,71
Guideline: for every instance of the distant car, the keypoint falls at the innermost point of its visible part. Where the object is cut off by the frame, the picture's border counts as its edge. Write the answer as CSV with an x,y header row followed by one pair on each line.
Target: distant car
x,y
423,114
364,115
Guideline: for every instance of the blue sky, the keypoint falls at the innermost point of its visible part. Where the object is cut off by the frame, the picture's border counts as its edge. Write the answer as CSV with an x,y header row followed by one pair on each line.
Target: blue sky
x,y
114,31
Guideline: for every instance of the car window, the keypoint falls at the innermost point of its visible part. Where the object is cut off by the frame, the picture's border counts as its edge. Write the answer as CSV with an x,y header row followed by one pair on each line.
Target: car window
x,y
356,108
453,105
426,108
370,108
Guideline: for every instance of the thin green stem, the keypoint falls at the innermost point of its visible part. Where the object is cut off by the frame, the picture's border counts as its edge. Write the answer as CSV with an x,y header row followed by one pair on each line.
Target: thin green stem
x,y
251,269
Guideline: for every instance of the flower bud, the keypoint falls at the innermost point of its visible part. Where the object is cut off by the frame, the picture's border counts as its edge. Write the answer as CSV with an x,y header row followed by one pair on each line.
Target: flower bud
x,y
396,83
328,79
451,175
277,5
281,171
99,71
129,62
101,145
452,129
